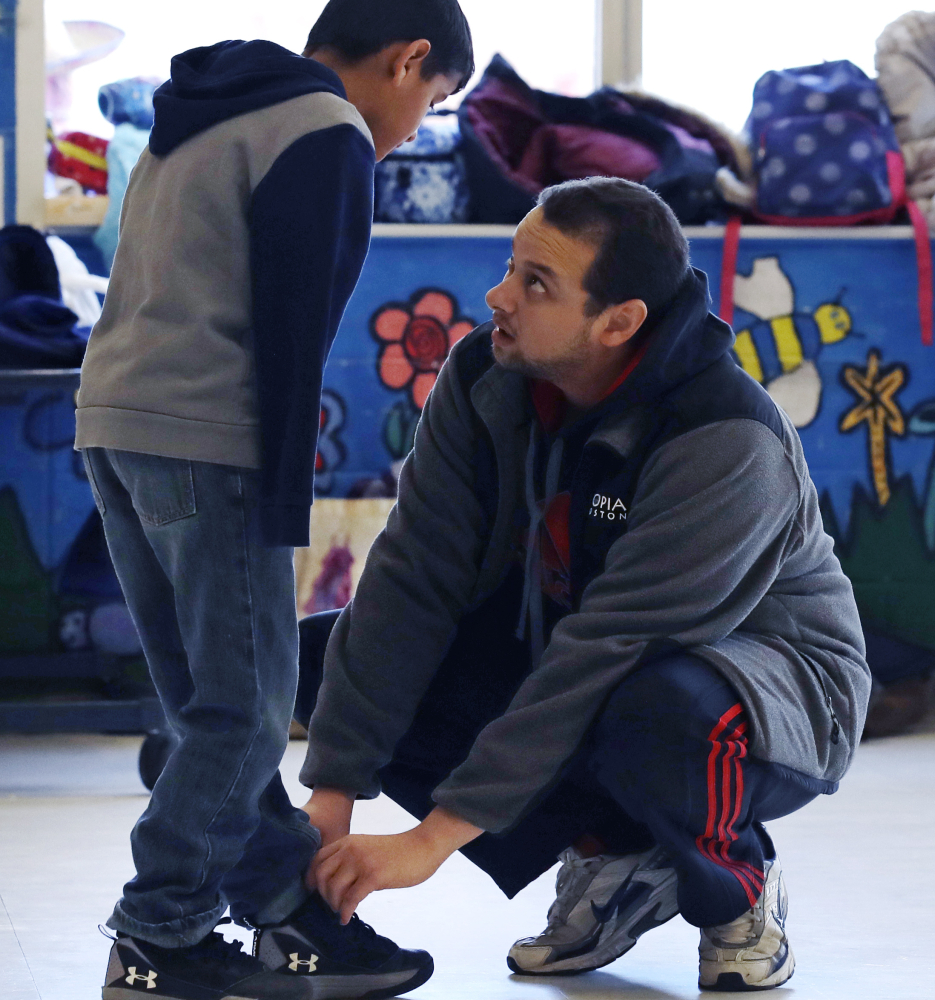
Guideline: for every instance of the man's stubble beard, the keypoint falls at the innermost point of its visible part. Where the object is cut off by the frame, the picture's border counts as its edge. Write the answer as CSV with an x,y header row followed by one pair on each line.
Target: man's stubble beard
x,y
555,369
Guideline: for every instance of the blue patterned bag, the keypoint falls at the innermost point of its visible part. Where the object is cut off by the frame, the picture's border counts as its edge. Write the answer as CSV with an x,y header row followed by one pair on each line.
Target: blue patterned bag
x,y
826,152
424,181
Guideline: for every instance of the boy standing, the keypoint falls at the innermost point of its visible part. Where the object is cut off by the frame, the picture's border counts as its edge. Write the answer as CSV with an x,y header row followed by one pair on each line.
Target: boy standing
x,y
244,230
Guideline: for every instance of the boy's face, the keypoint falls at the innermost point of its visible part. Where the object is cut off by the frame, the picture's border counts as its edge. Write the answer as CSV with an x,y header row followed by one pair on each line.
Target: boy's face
x,y
403,107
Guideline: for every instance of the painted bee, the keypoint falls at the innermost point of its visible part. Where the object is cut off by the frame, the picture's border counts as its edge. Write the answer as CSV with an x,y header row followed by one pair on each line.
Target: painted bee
x,y
780,350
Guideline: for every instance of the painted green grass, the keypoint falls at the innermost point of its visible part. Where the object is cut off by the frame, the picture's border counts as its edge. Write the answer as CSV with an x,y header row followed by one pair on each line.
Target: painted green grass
x,y
889,564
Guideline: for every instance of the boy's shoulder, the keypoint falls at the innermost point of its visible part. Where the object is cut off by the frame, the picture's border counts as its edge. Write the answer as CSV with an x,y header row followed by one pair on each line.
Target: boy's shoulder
x,y
242,151
270,131
254,93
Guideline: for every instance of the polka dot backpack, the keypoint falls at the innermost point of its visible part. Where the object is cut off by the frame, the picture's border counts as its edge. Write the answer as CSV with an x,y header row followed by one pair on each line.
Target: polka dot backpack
x,y
825,154
825,147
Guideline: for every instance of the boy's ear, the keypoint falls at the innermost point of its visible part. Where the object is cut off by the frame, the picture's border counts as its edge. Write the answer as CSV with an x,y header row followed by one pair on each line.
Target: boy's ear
x,y
409,59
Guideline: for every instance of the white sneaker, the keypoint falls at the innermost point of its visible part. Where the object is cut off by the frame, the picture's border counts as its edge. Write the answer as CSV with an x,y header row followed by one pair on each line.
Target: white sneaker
x,y
602,905
751,952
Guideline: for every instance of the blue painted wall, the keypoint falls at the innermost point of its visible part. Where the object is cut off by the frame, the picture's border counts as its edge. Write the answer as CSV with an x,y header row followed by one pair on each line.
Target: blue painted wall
x,y
870,441
8,104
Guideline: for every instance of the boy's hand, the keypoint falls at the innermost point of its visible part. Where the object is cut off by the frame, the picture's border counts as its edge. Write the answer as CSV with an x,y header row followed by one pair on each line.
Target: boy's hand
x,y
347,871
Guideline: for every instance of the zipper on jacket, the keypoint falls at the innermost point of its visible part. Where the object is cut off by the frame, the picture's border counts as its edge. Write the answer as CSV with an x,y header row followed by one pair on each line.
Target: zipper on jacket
x,y
835,724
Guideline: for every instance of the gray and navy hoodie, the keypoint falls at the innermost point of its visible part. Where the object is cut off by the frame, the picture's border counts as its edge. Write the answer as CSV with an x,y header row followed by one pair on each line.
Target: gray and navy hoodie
x,y
678,513
243,233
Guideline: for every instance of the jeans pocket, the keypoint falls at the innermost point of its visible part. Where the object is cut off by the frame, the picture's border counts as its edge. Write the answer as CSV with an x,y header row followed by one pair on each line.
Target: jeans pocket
x,y
95,492
162,489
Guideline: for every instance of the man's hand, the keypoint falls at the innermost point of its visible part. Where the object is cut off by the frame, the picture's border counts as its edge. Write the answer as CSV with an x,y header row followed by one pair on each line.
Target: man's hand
x,y
330,810
347,871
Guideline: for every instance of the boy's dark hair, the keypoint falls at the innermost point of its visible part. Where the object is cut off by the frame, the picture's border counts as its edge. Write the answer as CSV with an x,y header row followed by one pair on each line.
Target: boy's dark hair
x,y
359,28
642,251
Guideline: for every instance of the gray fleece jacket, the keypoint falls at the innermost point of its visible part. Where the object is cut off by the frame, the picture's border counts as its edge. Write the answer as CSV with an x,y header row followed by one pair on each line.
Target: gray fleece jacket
x,y
716,545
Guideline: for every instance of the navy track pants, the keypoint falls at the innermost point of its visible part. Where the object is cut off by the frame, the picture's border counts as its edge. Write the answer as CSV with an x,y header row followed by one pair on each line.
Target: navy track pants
x,y
666,762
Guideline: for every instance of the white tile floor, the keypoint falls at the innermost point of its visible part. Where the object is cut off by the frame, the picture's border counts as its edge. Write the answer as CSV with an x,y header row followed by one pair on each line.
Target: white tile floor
x,y
859,867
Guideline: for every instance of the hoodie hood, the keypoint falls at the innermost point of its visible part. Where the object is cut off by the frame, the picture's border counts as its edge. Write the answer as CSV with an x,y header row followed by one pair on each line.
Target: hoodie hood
x,y
212,84
685,340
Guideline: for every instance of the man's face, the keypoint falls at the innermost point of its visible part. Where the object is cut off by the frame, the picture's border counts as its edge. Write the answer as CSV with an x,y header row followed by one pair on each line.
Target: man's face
x,y
539,307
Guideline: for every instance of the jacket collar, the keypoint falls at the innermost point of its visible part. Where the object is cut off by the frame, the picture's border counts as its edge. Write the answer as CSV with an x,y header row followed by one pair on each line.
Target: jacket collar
x,y
685,340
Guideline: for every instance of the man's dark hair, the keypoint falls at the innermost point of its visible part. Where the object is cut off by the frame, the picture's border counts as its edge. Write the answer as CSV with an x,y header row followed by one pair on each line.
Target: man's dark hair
x,y
642,251
356,29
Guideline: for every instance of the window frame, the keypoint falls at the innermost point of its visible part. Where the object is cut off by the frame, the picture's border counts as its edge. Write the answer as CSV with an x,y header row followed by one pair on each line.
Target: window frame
x,y
619,61
30,114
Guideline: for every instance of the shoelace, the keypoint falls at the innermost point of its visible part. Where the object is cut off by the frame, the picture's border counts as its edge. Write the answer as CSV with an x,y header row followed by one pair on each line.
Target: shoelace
x,y
213,946
217,946
362,931
569,875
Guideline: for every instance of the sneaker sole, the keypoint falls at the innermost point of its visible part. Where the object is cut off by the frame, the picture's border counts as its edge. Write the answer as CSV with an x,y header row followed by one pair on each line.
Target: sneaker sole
x,y
122,993
366,987
363,987
733,982
616,946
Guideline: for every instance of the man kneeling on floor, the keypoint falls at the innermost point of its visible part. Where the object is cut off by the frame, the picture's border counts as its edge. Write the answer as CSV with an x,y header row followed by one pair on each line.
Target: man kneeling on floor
x,y
603,621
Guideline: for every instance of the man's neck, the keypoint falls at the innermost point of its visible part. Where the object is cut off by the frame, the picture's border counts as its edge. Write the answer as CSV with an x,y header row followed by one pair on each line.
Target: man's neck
x,y
585,387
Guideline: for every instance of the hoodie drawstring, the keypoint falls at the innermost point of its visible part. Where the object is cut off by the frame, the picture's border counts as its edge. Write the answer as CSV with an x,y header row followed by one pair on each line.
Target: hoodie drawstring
x,y
531,607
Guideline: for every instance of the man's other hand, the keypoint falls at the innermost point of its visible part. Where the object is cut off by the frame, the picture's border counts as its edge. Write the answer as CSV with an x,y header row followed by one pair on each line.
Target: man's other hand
x,y
330,810
347,871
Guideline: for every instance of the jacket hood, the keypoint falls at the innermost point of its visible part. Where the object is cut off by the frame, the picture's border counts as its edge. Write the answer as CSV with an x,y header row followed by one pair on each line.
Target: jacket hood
x,y
685,340
212,84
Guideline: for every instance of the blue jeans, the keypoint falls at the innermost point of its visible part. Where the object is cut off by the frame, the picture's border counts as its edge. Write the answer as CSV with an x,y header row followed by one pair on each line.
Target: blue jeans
x,y
216,615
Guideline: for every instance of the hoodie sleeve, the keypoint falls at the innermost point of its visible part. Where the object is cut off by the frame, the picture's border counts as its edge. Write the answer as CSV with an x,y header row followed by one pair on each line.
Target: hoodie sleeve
x,y
713,516
418,579
310,225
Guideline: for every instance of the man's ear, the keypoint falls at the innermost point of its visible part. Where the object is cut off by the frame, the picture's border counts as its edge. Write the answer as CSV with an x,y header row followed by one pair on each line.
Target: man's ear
x,y
622,322
409,58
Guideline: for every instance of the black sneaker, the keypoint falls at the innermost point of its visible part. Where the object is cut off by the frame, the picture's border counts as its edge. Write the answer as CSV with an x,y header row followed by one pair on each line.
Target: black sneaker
x,y
312,947
213,969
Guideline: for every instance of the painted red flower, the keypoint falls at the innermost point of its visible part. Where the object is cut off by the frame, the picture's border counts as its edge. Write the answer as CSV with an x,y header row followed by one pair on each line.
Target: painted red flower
x,y
416,338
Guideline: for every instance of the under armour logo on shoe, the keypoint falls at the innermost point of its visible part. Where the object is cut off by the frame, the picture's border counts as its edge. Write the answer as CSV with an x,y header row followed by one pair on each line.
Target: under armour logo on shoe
x,y
149,978
311,963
